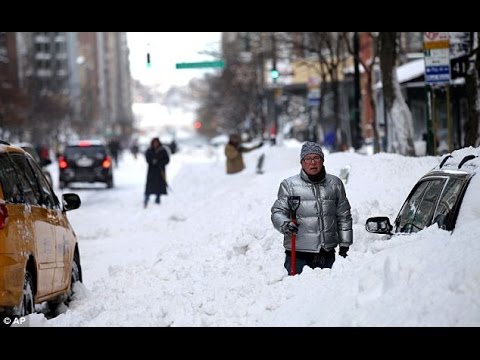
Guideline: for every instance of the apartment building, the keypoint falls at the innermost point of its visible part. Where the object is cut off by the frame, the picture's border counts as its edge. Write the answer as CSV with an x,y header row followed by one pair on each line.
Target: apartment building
x,y
73,83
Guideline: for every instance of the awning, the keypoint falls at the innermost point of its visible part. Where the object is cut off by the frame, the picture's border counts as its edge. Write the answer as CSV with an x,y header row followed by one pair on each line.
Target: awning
x,y
407,72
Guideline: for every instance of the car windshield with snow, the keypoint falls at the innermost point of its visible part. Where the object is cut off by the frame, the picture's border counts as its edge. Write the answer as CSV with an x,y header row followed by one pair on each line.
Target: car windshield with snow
x,y
436,198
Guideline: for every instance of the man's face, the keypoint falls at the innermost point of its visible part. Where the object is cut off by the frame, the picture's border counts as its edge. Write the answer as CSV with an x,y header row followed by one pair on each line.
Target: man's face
x,y
312,164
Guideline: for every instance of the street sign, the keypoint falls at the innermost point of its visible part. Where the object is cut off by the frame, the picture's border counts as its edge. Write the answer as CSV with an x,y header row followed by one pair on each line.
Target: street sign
x,y
314,96
437,74
437,57
202,64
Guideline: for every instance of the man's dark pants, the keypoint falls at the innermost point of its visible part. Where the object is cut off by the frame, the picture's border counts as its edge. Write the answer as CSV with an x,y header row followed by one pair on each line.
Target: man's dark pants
x,y
323,259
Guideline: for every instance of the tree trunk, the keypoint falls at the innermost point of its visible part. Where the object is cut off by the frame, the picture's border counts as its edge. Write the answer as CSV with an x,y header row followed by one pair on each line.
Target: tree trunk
x,y
376,137
399,117
340,142
472,83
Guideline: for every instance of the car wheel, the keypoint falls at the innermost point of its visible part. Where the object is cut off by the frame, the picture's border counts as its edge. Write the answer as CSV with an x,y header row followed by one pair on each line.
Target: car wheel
x,y
62,184
75,277
27,306
110,184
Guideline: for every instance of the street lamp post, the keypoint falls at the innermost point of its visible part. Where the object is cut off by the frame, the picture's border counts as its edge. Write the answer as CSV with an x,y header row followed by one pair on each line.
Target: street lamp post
x,y
276,91
356,133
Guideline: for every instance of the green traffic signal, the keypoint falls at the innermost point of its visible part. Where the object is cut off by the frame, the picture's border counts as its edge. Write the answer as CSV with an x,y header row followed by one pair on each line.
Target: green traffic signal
x,y
274,74
149,64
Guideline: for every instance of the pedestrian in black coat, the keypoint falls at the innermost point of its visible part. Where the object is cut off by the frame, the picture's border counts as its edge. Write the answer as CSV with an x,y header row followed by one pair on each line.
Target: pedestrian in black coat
x,y
157,158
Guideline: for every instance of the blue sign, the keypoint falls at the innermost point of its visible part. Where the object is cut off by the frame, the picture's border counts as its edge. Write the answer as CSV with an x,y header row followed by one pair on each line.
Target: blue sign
x,y
437,74
314,96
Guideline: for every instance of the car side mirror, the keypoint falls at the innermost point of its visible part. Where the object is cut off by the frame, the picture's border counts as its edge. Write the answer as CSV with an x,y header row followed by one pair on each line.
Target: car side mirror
x,y
379,225
70,201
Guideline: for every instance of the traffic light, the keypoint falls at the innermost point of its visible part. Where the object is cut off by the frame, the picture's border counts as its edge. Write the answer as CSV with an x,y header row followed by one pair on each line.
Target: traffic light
x,y
149,64
274,74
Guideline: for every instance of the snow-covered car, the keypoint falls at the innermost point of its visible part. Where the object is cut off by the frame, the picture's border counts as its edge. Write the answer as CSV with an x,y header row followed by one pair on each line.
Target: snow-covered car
x,y
439,197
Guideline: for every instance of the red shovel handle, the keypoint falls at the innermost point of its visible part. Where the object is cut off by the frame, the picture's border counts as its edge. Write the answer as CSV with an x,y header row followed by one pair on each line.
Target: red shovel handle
x,y
293,254
293,204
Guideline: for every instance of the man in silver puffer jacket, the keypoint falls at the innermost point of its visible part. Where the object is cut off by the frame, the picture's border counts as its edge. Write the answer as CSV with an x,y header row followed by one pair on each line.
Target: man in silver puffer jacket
x,y
323,217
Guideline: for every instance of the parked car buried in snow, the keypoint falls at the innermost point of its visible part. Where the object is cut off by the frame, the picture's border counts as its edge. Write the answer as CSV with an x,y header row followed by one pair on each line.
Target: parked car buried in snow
x,y
437,197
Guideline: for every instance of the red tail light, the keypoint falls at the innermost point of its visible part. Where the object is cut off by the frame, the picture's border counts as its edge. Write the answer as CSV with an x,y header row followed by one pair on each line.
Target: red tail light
x,y
62,163
3,216
107,162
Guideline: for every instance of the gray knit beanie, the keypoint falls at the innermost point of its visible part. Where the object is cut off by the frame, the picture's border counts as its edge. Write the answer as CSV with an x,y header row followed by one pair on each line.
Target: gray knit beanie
x,y
311,148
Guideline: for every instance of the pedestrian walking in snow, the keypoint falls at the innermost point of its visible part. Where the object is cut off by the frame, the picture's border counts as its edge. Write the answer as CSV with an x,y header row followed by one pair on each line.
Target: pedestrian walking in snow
x,y
134,149
323,218
234,151
157,158
115,148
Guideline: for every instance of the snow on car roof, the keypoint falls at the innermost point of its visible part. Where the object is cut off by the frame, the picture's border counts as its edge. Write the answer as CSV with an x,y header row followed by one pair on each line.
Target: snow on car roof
x,y
23,144
466,159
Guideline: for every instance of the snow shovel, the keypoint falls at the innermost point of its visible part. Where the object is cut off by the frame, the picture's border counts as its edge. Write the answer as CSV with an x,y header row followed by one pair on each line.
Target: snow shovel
x,y
293,204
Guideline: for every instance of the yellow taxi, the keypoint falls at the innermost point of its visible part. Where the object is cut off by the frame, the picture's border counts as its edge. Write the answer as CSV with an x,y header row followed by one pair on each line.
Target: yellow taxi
x,y
39,254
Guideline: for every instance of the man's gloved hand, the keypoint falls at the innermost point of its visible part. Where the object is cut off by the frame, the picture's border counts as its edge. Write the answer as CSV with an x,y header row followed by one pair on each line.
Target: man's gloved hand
x,y
289,228
343,251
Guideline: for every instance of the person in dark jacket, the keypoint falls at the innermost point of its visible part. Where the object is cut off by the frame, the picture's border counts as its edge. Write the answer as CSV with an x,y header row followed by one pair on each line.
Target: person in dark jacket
x,y
234,151
157,158
324,220
114,147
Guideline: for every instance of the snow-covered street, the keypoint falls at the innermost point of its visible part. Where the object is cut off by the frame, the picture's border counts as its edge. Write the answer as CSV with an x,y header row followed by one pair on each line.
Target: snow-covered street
x,y
208,255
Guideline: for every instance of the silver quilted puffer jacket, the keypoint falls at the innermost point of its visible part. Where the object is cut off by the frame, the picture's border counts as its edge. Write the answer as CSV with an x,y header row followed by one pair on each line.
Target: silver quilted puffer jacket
x,y
324,218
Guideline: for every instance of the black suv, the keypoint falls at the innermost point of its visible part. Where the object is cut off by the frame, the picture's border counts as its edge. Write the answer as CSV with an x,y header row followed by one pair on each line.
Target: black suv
x,y
436,198
85,161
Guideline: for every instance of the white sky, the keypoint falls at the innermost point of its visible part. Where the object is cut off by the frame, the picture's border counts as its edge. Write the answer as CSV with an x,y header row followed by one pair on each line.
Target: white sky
x,y
167,49
209,256
155,117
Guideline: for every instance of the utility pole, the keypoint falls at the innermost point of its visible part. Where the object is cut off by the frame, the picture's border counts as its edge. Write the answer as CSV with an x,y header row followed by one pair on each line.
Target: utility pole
x,y
274,69
356,128
260,58
276,92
